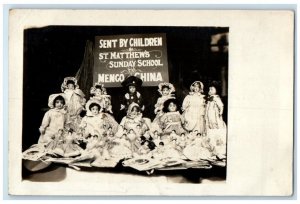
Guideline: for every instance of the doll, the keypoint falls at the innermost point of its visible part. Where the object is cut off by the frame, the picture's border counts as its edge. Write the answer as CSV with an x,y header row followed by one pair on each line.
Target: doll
x,y
99,93
171,120
214,110
75,100
216,127
134,119
193,107
165,90
55,147
199,149
70,146
122,148
181,142
96,123
54,119
144,149
132,96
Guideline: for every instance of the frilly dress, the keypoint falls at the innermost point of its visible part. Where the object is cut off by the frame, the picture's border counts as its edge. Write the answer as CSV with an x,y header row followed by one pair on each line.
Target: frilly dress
x,y
171,121
75,102
53,120
193,107
96,125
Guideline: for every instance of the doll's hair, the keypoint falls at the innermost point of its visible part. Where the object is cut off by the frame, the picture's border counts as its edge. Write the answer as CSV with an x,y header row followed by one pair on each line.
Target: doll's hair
x,y
71,130
96,136
143,138
165,86
138,109
70,82
94,104
182,133
98,87
161,143
59,98
198,134
167,103
216,85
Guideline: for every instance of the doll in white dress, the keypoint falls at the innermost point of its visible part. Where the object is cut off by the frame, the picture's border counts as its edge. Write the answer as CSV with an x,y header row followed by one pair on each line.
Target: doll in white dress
x,y
193,108
216,127
54,119
96,123
75,100
99,93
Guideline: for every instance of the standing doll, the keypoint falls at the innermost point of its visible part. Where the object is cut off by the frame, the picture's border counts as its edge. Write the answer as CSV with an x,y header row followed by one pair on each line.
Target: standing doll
x,y
99,93
216,127
54,119
193,107
132,96
214,110
75,100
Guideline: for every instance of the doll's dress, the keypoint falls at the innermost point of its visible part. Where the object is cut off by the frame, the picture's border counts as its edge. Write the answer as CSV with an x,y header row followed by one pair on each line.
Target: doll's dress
x,y
213,109
53,120
121,150
70,147
199,149
156,124
171,121
96,125
75,102
193,107
129,122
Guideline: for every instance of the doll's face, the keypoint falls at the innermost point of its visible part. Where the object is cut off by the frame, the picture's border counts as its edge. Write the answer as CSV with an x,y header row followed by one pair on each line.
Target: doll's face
x,y
182,135
60,132
95,110
165,91
134,111
132,89
197,87
59,104
98,92
71,86
172,107
131,131
212,91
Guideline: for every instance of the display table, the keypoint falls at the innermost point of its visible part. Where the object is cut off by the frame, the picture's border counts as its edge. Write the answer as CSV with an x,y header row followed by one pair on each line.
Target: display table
x,y
120,174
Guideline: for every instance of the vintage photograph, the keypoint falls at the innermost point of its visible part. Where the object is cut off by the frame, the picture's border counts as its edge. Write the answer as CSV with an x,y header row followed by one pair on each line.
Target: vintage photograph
x,y
150,102
142,100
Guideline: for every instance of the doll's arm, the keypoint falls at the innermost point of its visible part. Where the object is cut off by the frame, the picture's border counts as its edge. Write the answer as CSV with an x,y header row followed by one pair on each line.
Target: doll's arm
x,y
185,103
220,105
45,122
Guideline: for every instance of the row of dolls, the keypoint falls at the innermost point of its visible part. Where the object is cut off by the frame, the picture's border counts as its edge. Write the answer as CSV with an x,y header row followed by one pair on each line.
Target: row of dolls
x,y
169,124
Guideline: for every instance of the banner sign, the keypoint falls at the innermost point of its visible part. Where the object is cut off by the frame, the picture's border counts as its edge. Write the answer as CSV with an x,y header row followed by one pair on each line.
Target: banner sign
x,y
142,55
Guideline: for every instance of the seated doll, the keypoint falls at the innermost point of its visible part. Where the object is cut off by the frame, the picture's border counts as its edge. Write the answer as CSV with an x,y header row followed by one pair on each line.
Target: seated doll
x,y
54,119
75,100
96,123
171,120
98,92
134,120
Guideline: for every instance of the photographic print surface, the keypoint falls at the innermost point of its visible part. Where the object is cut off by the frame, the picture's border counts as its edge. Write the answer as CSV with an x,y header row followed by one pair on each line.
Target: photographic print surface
x,y
184,103
146,101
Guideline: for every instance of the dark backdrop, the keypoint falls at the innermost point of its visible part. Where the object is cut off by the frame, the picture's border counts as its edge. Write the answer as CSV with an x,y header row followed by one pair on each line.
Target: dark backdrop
x,y
54,52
